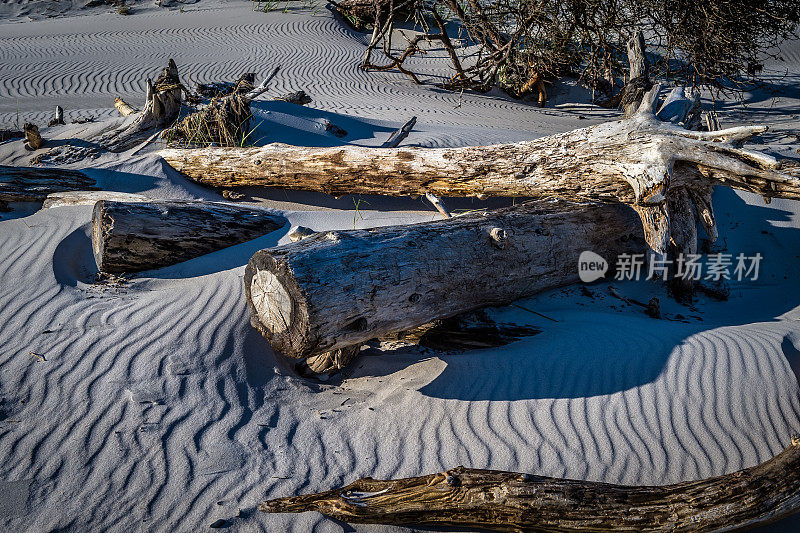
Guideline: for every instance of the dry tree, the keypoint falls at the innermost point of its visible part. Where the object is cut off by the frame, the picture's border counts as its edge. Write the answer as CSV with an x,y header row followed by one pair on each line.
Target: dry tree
x,y
518,45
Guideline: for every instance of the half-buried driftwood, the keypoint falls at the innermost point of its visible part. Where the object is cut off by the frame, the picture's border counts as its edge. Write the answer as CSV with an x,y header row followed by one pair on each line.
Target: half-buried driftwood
x,y
33,184
507,501
640,161
339,289
136,236
162,106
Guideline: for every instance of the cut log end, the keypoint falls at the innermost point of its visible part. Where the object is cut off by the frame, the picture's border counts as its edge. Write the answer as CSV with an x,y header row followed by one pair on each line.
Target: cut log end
x,y
271,302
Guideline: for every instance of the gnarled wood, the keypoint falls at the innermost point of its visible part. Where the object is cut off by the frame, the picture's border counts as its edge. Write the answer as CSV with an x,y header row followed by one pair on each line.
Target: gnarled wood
x,y
507,501
225,121
135,236
338,289
162,106
639,76
33,184
636,161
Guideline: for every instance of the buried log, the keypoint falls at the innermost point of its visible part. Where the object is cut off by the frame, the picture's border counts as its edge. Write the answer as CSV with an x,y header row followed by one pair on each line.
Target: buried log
x,y
639,161
136,236
507,501
339,289
34,184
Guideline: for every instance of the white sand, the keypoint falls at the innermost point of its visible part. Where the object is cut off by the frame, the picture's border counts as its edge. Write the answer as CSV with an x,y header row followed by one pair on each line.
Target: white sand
x,y
159,408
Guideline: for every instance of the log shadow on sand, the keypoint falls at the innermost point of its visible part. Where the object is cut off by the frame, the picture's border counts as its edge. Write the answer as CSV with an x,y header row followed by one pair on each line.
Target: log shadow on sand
x,y
592,354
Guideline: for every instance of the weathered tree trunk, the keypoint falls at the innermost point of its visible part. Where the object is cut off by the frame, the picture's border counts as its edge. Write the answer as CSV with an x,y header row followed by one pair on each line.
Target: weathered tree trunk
x,y
162,106
639,82
33,184
507,501
339,289
638,161
135,236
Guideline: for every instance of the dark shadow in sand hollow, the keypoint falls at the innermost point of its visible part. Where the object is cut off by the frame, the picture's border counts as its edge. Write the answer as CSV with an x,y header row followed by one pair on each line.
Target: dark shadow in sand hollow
x,y
73,260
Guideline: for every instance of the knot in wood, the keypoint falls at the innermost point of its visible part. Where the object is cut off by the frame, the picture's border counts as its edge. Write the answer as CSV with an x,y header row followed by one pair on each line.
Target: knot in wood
x,y
498,237
453,481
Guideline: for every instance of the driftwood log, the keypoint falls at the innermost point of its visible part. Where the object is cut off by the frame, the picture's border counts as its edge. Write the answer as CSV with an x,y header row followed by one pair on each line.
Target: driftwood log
x,y
339,289
33,184
124,107
162,106
639,161
507,501
136,236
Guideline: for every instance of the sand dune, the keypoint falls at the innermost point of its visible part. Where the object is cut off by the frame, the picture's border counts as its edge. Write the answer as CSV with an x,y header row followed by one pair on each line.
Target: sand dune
x,y
158,407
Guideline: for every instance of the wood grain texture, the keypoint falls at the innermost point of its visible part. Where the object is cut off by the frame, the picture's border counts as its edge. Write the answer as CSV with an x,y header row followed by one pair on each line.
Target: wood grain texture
x,y
638,161
507,501
135,236
338,289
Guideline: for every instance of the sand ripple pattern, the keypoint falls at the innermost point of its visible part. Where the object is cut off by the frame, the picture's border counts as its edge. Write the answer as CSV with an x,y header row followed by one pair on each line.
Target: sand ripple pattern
x,y
158,400
93,59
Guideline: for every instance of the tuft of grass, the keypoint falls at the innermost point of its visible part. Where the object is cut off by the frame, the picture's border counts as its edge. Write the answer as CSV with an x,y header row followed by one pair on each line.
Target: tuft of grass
x,y
357,215
266,6
124,10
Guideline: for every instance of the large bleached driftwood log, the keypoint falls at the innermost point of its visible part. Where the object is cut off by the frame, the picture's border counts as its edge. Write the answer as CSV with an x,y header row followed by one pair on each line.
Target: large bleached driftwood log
x,y
507,501
33,184
136,236
638,161
339,289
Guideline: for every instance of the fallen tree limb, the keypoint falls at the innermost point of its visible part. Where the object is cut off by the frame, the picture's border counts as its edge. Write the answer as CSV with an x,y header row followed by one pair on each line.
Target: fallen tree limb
x,y
339,289
507,501
136,236
123,107
639,161
70,198
33,184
